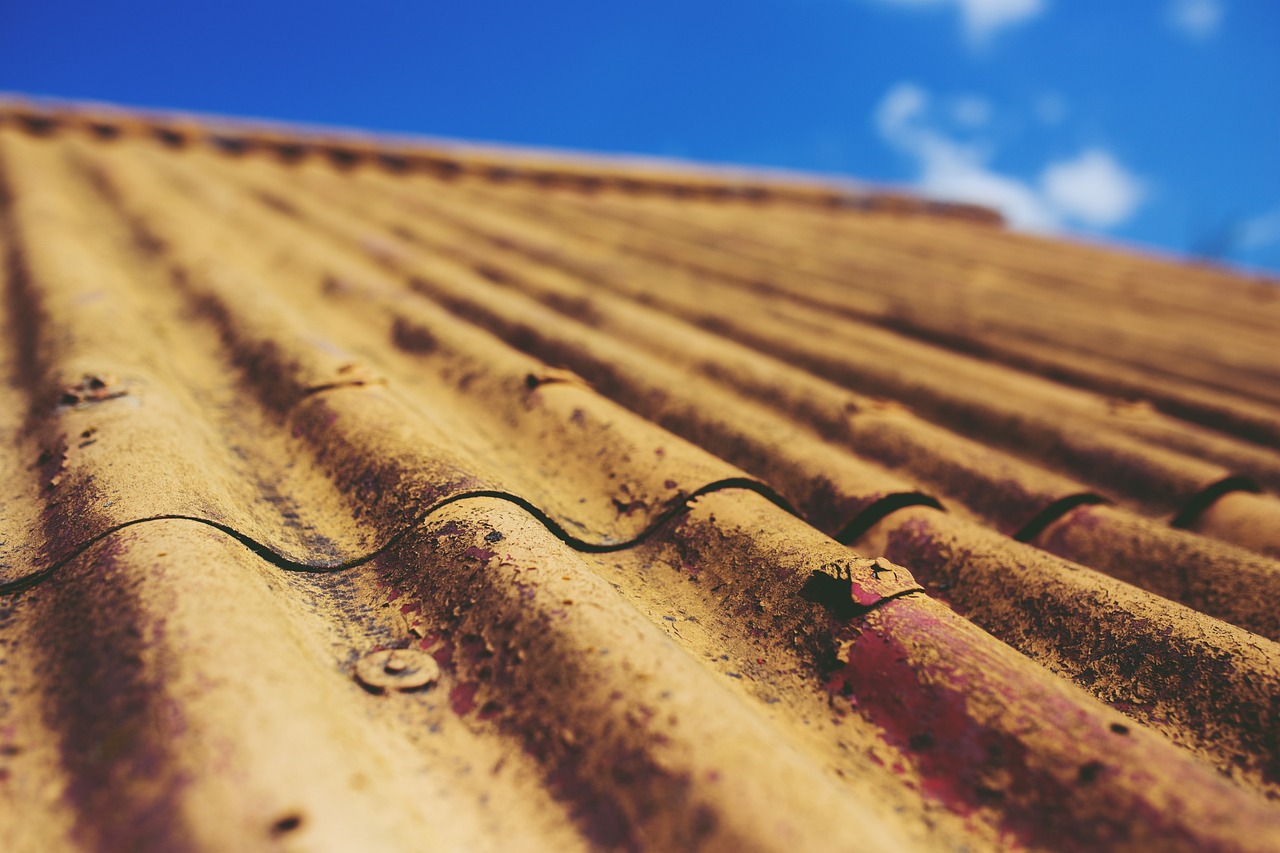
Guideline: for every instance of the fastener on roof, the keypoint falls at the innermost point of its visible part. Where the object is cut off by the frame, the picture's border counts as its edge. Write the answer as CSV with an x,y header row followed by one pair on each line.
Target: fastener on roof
x,y
398,669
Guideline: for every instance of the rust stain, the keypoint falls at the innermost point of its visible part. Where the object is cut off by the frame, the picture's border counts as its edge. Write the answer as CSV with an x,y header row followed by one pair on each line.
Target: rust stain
x,y
92,389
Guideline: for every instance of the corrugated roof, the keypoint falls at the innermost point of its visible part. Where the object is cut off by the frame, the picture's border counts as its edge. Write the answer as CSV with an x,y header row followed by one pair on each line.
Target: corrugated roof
x,y
372,494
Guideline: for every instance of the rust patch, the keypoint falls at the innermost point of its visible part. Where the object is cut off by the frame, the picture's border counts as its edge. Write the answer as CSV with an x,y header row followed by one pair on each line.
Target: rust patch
x,y
93,388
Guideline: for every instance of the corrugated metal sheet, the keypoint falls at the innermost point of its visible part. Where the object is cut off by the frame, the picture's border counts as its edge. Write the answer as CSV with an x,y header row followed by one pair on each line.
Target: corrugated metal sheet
x,y
373,495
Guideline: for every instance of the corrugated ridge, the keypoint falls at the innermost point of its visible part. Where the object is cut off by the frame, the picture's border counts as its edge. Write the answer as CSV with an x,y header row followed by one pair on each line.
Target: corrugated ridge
x,y
104,824
900,291
421,322
1168,470
832,294
292,381
1245,572
1149,469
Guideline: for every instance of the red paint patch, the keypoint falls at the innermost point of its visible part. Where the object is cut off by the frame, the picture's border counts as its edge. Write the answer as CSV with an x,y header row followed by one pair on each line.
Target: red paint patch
x,y
462,698
444,653
961,760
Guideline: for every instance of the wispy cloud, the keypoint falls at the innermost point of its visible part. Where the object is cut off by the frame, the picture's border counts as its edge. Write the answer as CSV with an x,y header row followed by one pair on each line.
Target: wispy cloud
x,y
1197,19
900,110
1260,231
1091,189
982,19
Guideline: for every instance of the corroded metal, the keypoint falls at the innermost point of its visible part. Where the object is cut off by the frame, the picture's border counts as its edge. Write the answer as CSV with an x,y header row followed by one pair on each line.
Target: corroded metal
x,y
370,495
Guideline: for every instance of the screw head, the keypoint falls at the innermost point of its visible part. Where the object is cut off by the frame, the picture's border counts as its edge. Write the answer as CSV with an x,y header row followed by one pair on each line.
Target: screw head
x,y
397,669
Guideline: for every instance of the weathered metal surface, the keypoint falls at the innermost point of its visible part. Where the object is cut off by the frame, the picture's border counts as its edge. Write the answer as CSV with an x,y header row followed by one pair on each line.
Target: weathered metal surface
x,y
1203,682
942,292
358,495
1083,434
1234,584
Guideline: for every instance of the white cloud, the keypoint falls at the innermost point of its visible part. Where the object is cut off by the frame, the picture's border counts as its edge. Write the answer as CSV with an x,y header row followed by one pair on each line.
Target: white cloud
x,y
1092,189
982,19
1198,19
958,173
1260,231
899,109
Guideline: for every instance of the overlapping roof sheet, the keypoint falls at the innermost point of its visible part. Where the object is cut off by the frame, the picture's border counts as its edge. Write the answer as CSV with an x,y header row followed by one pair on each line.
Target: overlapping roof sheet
x,y
368,494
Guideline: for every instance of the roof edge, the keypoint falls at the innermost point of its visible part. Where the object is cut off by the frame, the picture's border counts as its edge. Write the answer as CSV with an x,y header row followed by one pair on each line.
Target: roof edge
x,y
586,171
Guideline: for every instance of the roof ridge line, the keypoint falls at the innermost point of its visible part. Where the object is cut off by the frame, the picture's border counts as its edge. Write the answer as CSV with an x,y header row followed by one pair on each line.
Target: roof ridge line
x,y
449,159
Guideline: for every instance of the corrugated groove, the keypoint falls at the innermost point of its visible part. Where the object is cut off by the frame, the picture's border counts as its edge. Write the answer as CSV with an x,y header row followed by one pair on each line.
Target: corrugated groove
x,y
809,291
635,380
665,815
1180,475
745,277
290,379
1086,437
922,289
640,383
808,483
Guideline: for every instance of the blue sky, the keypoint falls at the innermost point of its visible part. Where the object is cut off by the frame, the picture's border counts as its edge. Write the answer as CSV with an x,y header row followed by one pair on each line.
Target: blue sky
x,y
1149,123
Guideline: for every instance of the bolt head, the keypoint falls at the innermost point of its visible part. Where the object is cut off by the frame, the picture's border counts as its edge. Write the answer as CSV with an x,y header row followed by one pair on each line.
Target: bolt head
x,y
397,669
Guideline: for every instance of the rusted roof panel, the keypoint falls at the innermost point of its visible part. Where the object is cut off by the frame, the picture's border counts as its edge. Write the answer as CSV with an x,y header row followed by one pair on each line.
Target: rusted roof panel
x,y
362,493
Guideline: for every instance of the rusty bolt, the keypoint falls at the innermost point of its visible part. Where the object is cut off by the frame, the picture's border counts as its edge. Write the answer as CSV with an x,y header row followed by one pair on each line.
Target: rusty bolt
x,y
397,669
